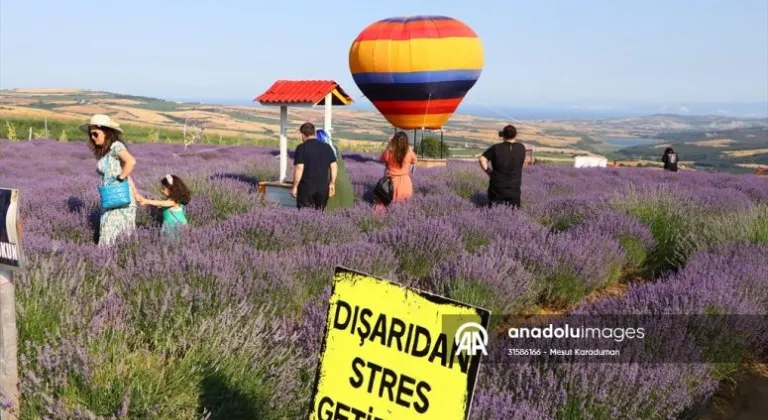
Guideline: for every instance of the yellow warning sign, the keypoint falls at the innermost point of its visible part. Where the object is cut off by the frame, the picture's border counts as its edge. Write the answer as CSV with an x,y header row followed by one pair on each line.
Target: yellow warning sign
x,y
390,353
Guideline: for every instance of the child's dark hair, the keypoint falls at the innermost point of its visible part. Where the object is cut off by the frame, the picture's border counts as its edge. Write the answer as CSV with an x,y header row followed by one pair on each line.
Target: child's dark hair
x,y
178,190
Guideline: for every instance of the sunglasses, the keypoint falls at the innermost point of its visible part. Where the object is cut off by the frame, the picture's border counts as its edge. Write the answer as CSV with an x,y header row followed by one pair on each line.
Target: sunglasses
x,y
94,134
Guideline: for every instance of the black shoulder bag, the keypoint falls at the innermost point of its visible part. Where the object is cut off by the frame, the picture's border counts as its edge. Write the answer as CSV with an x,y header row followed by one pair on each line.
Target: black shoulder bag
x,y
384,190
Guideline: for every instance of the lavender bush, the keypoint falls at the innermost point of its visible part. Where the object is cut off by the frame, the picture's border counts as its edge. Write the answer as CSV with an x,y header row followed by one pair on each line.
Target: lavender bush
x,y
731,280
227,322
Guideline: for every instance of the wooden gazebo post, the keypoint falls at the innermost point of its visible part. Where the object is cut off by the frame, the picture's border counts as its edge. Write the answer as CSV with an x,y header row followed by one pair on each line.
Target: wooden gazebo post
x,y
283,143
328,110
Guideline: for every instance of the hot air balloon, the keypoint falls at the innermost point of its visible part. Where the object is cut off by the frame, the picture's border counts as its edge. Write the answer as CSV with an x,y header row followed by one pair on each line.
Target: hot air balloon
x,y
416,70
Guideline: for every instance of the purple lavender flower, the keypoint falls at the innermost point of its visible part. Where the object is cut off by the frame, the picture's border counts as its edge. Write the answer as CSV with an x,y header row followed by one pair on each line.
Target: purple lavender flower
x,y
156,328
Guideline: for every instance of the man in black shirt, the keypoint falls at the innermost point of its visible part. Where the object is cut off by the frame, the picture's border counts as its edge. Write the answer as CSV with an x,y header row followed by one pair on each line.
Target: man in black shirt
x,y
670,160
314,175
506,171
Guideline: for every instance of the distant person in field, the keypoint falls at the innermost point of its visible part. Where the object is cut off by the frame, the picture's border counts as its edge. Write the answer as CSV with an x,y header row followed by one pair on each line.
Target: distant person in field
x,y
315,170
670,160
177,197
114,162
506,168
345,193
397,159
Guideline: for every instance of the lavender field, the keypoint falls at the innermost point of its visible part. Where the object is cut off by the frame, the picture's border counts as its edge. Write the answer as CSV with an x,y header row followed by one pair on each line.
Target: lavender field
x,y
227,323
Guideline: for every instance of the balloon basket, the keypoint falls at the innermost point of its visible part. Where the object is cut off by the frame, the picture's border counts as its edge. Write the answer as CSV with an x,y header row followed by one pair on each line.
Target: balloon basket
x,y
418,143
277,192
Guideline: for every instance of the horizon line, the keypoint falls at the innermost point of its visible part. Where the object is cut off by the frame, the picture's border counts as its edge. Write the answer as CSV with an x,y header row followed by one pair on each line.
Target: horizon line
x,y
585,108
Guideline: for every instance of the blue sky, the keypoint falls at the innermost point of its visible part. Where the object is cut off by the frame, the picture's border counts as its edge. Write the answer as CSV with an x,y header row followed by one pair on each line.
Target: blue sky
x,y
585,52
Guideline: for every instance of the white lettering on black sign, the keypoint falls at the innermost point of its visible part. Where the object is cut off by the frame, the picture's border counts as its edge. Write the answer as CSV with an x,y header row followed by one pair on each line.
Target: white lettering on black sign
x,y
9,251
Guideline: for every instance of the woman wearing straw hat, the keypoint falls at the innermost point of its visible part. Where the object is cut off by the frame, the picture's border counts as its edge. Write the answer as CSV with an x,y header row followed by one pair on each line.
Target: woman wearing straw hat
x,y
115,164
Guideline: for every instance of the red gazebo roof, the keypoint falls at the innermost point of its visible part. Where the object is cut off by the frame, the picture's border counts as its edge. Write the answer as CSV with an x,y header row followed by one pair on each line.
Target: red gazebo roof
x,y
303,92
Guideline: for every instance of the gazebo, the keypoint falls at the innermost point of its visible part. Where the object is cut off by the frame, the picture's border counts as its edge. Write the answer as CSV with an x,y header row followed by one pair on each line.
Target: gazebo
x,y
302,94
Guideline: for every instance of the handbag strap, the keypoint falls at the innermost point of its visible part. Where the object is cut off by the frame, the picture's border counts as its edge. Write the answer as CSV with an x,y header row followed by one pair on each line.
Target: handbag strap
x,y
107,168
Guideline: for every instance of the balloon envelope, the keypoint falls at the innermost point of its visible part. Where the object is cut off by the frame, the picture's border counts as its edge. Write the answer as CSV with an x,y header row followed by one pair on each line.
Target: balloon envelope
x,y
416,70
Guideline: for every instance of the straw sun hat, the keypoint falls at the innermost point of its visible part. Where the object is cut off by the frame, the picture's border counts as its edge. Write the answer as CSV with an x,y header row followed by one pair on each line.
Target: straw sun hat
x,y
101,120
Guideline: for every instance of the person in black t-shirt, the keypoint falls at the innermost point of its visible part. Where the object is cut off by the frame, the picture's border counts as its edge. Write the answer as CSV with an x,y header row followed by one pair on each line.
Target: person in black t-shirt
x,y
506,170
670,160
314,176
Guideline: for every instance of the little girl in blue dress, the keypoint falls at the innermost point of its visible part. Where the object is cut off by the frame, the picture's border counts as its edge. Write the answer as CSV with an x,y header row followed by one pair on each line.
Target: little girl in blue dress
x,y
177,197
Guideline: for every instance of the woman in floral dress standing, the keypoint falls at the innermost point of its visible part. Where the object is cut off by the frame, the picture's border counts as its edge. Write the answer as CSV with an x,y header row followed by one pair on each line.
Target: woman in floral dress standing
x,y
114,161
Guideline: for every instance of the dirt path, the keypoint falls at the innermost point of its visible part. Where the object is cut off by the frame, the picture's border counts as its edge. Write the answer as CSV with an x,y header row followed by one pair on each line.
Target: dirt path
x,y
745,400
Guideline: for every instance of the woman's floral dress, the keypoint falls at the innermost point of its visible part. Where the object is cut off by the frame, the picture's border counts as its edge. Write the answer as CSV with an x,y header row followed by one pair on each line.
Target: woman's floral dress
x,y
115,222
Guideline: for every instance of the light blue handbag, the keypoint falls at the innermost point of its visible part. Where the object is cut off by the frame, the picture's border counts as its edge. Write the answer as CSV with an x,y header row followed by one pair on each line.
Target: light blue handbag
x,y
114,195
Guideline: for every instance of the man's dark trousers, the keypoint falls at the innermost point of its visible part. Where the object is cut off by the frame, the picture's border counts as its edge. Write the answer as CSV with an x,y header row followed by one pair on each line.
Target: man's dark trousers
x,y
315,199
510,200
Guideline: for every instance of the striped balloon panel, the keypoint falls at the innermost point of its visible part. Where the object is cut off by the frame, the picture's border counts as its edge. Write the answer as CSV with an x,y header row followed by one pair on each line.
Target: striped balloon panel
x,y
416,70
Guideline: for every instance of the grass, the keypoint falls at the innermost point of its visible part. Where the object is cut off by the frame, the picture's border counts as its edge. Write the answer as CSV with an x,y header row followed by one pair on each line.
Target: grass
x,y
678,236
461,152
759,228
158,106
361,136
636,254
466,183
563,222
42,308
479,294
672,232
167,366
371,223
562,290
253,118
556,155
474,241
549,162
43,105
227,205
18,129
261,239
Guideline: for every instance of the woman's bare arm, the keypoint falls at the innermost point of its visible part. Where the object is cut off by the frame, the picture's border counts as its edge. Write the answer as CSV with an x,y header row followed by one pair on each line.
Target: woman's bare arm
x,y
129,162
136,195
